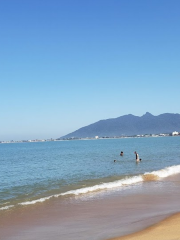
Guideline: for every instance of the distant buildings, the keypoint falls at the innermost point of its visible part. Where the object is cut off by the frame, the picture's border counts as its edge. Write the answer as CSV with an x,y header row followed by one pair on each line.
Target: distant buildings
x,y
175,133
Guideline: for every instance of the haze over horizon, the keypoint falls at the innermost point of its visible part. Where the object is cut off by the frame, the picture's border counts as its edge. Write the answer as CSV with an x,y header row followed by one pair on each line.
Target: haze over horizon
x,y
67,64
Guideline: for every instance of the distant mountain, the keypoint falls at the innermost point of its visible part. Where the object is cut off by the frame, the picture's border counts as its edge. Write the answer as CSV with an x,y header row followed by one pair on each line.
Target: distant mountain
x,y
129,125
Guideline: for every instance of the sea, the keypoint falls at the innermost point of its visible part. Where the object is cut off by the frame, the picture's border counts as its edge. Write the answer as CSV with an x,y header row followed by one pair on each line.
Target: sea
x,y
35,173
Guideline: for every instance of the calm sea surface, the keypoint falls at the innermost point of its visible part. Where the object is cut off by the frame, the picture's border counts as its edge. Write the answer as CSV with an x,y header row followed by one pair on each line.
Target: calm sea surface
x,y
36,172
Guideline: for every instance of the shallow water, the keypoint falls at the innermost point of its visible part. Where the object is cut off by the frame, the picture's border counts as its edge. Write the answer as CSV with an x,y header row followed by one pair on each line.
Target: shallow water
x,y
33,172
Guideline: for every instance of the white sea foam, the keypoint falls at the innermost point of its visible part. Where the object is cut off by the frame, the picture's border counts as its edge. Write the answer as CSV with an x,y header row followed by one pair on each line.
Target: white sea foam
x,y
168,171
103,186
36,201
6,207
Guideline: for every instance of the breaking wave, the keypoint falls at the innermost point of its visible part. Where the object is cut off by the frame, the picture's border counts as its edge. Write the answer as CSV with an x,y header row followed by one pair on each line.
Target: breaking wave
x,y
148,176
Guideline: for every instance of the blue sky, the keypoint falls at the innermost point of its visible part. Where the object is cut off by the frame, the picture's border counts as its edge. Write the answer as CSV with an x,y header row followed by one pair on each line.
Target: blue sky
x,y
67,64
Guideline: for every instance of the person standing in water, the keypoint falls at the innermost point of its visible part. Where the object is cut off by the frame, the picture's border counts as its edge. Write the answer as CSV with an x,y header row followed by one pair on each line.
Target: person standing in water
x,y
137,156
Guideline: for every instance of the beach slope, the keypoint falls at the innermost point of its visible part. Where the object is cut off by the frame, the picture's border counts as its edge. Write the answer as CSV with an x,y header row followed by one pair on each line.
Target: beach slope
x,y
168,229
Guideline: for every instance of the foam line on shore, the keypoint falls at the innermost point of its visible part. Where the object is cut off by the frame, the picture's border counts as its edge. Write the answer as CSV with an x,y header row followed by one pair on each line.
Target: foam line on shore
x,y
168,171
148,176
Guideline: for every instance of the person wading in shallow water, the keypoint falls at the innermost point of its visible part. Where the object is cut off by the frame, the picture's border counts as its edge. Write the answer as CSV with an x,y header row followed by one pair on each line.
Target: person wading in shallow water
x,y
121,154
137,157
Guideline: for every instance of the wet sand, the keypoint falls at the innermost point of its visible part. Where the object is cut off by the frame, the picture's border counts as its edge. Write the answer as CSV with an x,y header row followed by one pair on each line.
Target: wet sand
x,y
167,229
97,216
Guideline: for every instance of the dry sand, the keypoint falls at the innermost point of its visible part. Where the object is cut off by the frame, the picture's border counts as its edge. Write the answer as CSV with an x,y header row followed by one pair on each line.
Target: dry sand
x,y
168,229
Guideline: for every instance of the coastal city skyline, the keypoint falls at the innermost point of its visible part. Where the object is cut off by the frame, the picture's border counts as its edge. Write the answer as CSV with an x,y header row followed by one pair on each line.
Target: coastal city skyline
x,y
151,126
67,64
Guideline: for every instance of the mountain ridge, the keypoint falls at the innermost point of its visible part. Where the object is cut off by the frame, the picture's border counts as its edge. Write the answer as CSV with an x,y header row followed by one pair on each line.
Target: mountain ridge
x,y
129,125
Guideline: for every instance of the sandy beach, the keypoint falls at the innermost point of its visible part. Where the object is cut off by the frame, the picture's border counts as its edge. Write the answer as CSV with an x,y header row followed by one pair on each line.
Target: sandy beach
x,y
147,211
167,229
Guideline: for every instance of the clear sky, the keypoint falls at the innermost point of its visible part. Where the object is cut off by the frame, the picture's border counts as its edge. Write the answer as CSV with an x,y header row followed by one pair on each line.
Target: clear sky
x,y
67,64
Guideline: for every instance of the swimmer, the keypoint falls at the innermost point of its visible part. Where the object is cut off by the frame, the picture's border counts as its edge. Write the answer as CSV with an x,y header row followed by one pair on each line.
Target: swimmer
x,y
121,154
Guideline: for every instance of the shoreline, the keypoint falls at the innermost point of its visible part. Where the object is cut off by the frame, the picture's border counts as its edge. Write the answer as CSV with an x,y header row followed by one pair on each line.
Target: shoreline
x,y
100,216
167,229
77,139
164,229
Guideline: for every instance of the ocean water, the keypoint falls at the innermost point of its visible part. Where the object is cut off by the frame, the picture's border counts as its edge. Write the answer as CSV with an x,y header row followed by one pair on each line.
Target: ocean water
x,y
36,172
